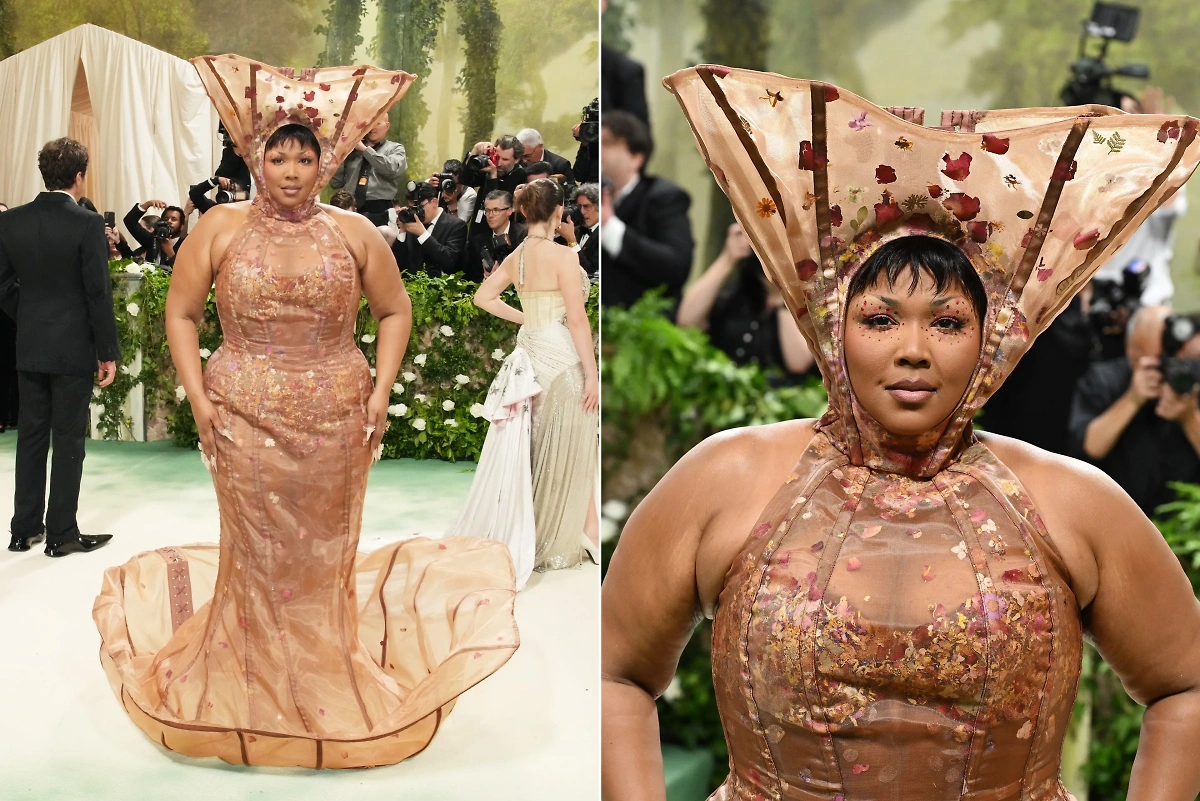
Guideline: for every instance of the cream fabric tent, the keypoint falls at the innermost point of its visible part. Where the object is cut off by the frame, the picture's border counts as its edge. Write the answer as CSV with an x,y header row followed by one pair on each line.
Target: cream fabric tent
x,y
143,114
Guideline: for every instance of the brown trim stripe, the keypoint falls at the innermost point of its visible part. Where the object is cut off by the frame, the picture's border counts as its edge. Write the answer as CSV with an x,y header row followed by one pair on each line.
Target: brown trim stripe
x,y
820,144
1049,206
242,744
747,141
1186,138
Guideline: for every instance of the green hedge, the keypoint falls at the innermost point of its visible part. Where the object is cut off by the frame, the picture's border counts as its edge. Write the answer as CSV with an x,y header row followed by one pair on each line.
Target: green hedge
x,y
460,347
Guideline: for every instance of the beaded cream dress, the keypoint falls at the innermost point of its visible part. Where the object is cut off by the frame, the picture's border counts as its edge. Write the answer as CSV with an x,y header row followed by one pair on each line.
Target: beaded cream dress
x,y
899,623
282,645
564,436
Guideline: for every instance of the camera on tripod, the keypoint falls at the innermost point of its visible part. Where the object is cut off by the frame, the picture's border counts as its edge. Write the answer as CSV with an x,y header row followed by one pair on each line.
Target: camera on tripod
x,y
1091,78
589,122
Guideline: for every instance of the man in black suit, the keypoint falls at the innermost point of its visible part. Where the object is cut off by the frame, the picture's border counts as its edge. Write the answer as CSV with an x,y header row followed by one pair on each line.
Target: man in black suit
x,y
54,282
491,244
645,231
157,250
434,241
622,85
506,173
585,239
535,151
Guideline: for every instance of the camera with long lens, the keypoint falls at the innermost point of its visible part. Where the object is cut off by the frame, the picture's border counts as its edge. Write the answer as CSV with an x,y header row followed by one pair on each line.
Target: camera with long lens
x,y
446,181
235,192
1113,303
1091,77
410,214
589,122
162,228
1180,374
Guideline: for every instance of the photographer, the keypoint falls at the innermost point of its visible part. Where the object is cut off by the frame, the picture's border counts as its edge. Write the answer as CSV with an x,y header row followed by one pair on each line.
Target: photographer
x,y
228,191
491,245
160,244
1136,417
430,239
646,233
535,151
580,229
743,313
537,169
457,198
587,134
373,172
490,167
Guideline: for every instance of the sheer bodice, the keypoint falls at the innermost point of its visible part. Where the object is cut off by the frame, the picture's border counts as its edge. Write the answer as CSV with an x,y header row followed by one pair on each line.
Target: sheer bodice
x,y
882,636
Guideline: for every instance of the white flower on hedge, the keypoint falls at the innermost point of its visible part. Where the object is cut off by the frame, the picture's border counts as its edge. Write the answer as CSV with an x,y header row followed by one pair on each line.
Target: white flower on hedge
x,y
419,424
674,690
615,510
180,392
420,398
398,410
419,359
133,269
448,405
447,331
498,353
205,353
609,529
409,377
461,379
398,389
126,369
372,372
451,422
477,410
368,338
133,309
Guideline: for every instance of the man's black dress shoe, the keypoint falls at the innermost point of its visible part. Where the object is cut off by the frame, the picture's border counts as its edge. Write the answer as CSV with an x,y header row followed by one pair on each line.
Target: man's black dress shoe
x,y
21,542
80,544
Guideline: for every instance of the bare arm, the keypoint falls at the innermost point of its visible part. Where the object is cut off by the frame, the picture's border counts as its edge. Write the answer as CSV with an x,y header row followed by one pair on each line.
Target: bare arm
x,y
390,305
487,297
699,297
570,284
671,563
797,358
1145,622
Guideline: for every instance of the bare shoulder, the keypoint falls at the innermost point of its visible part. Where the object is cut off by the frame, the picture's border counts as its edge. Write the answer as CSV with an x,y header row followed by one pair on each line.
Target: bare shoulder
x,y
1083,509
358,230
222,217
730,478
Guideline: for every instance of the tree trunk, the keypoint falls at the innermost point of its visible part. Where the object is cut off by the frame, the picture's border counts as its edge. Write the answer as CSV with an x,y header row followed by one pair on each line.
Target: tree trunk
x,y
447,55
404,41
480,28
343,19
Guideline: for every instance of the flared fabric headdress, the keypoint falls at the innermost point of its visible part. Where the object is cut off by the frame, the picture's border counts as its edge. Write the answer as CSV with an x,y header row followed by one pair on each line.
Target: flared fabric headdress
x,y
339,104
1037,199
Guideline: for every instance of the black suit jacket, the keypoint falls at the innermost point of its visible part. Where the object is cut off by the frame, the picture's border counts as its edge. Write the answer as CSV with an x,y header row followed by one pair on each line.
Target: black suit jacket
x,y
440,254
146,239
482,242
657,248
559,165
622,84
589,250
54,282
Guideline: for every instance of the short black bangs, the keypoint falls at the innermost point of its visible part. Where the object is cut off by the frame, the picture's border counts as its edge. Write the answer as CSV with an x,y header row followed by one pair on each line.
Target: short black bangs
x,y
943,262
299,134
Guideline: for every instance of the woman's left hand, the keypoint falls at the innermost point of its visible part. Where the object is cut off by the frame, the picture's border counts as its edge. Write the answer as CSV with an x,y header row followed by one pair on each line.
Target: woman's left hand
x,y
376,420
591,395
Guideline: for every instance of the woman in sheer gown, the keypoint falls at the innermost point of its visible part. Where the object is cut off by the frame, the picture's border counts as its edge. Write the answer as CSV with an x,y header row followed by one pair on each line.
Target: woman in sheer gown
x,y
898,603
534,487
282,645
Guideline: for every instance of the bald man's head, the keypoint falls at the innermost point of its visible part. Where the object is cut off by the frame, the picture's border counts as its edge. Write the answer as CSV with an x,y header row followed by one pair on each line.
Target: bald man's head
x,y
1143,336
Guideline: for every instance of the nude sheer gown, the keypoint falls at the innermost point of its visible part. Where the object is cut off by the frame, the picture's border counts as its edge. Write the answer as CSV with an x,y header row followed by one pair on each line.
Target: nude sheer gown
x,y
899,624
282,645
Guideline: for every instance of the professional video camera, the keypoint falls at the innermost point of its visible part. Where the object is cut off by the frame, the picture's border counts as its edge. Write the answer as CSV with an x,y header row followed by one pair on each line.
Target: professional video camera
x,y
1181,374
589,128
1113,303
1091,78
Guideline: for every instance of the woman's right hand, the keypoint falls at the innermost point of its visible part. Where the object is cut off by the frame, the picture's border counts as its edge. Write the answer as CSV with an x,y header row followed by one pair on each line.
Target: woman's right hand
x,y
208,423
591,394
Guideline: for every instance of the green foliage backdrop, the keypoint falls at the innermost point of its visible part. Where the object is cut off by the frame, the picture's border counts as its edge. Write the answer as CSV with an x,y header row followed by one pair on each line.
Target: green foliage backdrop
x,y
454,352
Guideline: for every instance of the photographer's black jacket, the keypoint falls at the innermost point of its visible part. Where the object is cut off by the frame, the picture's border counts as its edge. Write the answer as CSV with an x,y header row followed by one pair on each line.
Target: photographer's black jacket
x,y
54,282
485,184
657,249
559,166
145,238
482,241
440,254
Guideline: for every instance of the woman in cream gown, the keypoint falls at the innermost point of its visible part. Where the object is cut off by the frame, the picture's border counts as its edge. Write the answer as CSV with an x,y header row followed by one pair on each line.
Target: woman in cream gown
x,y
534,488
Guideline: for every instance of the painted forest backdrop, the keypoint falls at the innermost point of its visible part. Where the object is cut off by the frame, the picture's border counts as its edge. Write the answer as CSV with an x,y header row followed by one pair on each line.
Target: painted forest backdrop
x,y
485,67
